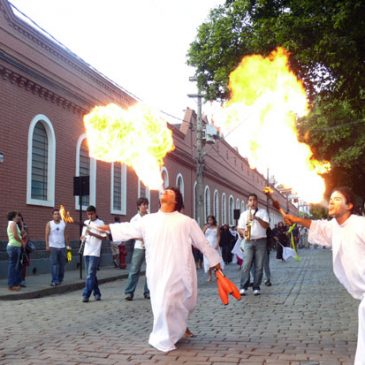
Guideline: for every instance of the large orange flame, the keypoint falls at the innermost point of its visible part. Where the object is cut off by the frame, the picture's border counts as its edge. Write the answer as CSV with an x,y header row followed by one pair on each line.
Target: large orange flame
x,y
260,119
137,137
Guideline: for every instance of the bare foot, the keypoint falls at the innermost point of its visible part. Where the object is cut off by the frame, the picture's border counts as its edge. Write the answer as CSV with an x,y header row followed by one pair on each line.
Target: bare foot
x,y
188,333
209,278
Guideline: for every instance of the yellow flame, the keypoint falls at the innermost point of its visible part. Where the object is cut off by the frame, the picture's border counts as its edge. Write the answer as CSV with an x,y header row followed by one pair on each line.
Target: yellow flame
x,y
260,119
65,215
137,137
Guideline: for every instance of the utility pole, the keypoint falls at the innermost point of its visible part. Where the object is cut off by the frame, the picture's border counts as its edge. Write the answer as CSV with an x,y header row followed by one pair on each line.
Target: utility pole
x,y
199,158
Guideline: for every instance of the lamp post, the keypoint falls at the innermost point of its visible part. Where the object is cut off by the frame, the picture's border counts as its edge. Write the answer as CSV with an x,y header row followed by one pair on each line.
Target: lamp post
x,y
199,157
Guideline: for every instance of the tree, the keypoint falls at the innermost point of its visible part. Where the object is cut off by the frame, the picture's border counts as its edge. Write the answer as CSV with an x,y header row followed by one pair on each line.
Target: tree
x,y
326,40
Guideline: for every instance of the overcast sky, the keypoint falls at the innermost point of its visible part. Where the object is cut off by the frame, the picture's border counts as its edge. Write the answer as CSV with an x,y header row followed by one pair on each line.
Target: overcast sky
x,y
141,45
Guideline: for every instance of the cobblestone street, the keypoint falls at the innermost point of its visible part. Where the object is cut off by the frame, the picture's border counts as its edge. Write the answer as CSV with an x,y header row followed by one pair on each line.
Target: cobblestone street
x,y
305,318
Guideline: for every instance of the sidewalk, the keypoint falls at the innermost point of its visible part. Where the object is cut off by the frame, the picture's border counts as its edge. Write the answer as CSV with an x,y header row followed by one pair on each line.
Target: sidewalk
x,y
39,285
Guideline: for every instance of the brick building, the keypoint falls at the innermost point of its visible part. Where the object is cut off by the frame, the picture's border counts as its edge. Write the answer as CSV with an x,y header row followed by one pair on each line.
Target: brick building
x,y
45,91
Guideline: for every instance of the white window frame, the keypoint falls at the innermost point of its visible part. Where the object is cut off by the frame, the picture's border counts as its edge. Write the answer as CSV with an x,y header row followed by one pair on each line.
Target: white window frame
x,y
224,208
123,210
206,203
92,185
216,205
231,207
182,190
166,182
51,164
148,192
194,202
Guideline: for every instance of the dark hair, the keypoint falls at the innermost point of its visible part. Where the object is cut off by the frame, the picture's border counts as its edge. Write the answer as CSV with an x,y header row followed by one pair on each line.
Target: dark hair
x,y
214,220
91,208
142,200
55,210
117,219
348,195
12,215
252,194
179,201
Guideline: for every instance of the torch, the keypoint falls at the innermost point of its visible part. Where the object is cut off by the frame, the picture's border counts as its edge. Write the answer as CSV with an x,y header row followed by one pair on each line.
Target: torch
x,y
268,191
66,217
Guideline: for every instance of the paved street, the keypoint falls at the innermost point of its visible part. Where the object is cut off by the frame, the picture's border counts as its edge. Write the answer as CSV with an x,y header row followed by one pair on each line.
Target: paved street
x,y
305,318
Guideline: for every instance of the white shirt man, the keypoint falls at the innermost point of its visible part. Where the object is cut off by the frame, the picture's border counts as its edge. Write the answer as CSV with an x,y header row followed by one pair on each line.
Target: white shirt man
x,y
138,258
55,238
346,235
93,240
252,225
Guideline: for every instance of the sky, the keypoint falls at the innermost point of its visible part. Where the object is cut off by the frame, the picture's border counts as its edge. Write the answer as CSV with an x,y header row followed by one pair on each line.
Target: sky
x,y
141,45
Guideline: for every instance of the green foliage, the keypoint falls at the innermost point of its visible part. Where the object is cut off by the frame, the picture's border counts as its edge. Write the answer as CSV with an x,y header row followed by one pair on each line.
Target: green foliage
x,y
318,212
326,40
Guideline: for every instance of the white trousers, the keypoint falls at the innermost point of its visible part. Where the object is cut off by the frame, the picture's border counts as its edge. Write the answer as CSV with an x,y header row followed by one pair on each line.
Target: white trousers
x,y
360,350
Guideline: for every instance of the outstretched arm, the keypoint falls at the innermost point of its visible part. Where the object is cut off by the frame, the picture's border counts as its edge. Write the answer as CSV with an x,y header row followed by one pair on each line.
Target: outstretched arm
x,y
290,219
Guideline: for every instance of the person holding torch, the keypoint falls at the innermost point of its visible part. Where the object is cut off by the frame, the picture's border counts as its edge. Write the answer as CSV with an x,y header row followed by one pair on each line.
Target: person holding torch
x,y
345,233
168,236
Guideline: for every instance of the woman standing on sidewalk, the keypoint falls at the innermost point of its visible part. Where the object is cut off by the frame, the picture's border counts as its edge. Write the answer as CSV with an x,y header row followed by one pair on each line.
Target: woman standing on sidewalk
x,y
14,249
212,234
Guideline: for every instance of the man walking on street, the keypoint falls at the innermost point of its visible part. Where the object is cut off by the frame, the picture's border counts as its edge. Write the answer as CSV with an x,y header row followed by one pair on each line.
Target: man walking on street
x,y
252,226
138,257
93,240
56,243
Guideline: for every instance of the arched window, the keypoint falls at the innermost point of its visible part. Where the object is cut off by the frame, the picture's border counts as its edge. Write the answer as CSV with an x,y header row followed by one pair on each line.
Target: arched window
x,y
165,177
206,202
231,210
224,208
195,203
41,162
118,188
180,184
243,206
238,204
216,205
85,166
144,191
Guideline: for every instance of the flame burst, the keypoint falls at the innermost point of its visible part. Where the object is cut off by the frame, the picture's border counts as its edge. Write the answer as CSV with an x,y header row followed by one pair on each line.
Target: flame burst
x,y
65,215
260,119
136,137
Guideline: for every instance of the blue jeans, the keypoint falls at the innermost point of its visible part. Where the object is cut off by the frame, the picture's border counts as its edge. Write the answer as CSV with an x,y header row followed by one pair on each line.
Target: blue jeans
x,y
58,261
138,259
267,271
91,282
14,265
254,251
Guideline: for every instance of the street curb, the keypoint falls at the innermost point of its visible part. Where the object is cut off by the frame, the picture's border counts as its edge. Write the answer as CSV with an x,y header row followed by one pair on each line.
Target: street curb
x,y
61,289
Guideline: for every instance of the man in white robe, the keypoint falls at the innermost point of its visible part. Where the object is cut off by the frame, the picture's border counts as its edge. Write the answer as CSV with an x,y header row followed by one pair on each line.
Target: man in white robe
x,y
171,274
346,235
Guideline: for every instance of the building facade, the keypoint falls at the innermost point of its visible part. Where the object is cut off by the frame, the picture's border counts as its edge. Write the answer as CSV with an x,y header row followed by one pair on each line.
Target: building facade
x,y
45,91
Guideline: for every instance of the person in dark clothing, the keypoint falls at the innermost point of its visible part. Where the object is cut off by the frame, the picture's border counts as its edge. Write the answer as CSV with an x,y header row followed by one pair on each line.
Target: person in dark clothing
x,y
227,242
281,239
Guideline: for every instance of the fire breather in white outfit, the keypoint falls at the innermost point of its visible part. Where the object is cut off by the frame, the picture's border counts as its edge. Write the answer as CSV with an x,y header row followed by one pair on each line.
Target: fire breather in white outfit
x,y
348,245
170,270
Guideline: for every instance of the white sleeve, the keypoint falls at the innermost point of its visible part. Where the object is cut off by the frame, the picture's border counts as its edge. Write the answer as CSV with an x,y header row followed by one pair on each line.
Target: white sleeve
x,y
241,221
201,243
126,231
264,216
320,232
